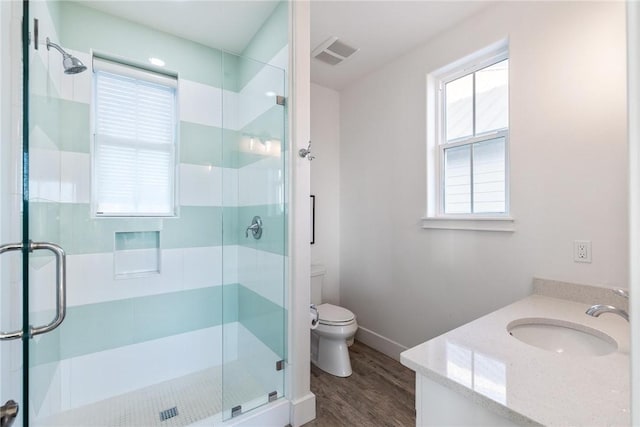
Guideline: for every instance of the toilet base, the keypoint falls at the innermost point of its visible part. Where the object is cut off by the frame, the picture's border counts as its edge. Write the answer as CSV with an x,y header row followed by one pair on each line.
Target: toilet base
x,y
330,350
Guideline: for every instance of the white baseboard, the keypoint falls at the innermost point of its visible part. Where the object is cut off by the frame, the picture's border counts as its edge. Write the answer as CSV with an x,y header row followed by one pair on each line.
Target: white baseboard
x,y
303,410
383,344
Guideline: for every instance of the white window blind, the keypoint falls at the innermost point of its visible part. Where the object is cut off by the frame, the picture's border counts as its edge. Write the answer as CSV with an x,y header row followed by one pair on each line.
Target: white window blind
x,y
134,146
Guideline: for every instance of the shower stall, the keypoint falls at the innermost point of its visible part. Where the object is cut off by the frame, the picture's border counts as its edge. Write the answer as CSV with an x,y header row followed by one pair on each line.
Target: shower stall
x,y
146,210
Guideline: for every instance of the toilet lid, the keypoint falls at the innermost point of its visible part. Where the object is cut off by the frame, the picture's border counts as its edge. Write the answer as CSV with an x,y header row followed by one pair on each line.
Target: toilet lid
x,y
329,313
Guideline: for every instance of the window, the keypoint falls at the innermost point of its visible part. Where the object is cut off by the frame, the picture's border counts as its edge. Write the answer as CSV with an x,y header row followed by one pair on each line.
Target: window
x,y
134,141
468,146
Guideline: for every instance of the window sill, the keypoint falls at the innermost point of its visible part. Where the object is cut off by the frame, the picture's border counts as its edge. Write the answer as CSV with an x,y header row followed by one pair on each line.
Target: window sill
x,y
499,223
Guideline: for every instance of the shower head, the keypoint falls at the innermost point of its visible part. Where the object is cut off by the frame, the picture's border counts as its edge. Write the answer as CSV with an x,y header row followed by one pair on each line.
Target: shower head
x,y
71,64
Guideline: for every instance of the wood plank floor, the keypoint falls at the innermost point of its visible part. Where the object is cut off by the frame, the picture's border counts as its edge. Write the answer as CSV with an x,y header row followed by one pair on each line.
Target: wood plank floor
x,y
380,392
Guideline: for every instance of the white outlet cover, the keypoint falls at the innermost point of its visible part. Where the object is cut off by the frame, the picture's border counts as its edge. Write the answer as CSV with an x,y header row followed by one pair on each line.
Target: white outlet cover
x,y
582,251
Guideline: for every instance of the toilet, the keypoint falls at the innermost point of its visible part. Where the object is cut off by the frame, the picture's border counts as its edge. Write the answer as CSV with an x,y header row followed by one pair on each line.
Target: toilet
x,y
334,333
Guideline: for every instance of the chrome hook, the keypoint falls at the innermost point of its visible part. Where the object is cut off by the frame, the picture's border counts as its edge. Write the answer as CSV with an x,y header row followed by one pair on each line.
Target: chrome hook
x,y
306,152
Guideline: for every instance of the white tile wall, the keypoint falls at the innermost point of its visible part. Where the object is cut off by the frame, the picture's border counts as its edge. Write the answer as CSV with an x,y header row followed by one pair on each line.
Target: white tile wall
x,y
82,380
255,98
200,185
230,264
131,262
261,183
75,177
260,360
91,278
81,83
262,272
42,286
203,267
44,174
281,59
200,103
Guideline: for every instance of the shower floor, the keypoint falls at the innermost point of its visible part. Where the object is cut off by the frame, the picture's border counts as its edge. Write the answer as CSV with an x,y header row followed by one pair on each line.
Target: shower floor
x,y
196,397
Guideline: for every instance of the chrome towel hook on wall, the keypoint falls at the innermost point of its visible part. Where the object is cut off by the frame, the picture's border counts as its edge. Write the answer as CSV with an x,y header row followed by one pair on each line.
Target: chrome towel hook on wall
x,y
306,152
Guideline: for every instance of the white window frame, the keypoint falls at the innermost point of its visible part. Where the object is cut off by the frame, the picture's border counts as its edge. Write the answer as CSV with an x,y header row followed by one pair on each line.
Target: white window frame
x,y
147,73
436,145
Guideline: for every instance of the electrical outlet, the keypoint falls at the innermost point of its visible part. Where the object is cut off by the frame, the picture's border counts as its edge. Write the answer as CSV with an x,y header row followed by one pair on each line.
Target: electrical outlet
x,y
582,250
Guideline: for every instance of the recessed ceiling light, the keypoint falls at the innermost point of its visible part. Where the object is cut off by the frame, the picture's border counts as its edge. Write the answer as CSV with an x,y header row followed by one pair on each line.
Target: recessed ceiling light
x,y
270,93
157,61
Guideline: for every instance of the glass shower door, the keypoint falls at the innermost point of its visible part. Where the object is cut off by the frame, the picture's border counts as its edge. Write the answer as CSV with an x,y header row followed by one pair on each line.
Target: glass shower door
x,y
255,250
141,343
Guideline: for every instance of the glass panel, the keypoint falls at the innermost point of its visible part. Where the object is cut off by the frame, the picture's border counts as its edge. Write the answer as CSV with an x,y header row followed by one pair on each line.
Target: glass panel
x,y
254,268
489,176
11,313
457,180
134,349
459,107
492,97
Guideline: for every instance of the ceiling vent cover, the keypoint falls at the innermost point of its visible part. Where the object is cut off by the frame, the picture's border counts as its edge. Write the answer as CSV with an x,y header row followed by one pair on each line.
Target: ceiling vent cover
x,y
333,51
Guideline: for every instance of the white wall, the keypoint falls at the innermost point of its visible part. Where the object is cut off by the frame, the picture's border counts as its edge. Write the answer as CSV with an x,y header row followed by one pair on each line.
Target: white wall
x,y
303,402
568,177
633,50
325,185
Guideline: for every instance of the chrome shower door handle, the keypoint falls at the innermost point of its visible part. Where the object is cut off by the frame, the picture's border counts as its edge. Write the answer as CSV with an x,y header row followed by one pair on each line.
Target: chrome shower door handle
x,y
14,335
61,286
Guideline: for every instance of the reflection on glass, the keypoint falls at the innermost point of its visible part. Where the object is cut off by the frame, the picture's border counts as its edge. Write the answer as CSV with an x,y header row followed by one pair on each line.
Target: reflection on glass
x,y
489,176
457,179
492,97
459,110
477,371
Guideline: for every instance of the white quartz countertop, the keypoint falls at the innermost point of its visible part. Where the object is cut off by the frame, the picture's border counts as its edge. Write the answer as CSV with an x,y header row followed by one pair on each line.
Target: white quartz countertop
x,y
526,384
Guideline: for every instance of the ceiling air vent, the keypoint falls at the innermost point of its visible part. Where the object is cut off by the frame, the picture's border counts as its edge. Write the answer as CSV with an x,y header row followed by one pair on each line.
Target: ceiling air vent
x,y
333,51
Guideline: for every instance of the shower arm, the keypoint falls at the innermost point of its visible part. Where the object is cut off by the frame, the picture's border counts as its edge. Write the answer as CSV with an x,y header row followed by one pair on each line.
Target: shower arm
x,y
58,48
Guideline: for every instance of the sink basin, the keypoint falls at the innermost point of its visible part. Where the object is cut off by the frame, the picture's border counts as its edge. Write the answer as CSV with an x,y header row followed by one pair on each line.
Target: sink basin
x,y
562,337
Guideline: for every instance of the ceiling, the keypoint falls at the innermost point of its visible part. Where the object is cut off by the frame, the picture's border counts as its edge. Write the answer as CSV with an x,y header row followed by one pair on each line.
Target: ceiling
x,y
228,25
383,30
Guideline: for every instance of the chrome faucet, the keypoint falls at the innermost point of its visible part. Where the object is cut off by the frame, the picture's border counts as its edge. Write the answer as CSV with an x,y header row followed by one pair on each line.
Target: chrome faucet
x,y
598,309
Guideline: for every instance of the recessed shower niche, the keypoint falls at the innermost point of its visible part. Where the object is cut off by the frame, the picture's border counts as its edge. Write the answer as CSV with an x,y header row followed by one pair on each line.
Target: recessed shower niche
x,y
136,254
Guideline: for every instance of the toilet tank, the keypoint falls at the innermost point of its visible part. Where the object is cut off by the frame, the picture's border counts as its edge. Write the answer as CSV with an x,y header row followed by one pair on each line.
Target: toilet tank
x,y
317,277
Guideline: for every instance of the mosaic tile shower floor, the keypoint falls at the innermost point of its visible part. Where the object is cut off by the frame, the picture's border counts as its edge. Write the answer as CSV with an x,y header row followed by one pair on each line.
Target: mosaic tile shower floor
x,y
196,397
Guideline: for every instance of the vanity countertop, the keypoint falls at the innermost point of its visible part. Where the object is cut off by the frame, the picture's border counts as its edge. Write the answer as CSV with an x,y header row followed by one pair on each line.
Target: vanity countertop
x,y
524,383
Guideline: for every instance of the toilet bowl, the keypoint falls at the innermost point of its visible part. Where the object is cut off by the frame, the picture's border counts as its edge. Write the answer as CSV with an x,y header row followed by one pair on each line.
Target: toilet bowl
x,y
334,333
329,348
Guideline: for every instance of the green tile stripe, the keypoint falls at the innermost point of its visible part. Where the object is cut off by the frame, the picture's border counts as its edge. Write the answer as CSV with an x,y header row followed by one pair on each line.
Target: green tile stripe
x,y
133,240
208,145
66,124
269,125
104,326
265,319
71,226
92,328
83,29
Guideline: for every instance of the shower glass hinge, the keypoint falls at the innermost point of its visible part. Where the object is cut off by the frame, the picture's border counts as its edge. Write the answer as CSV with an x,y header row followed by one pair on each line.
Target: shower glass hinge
x,y
281,100
273,396
236,410
279,365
